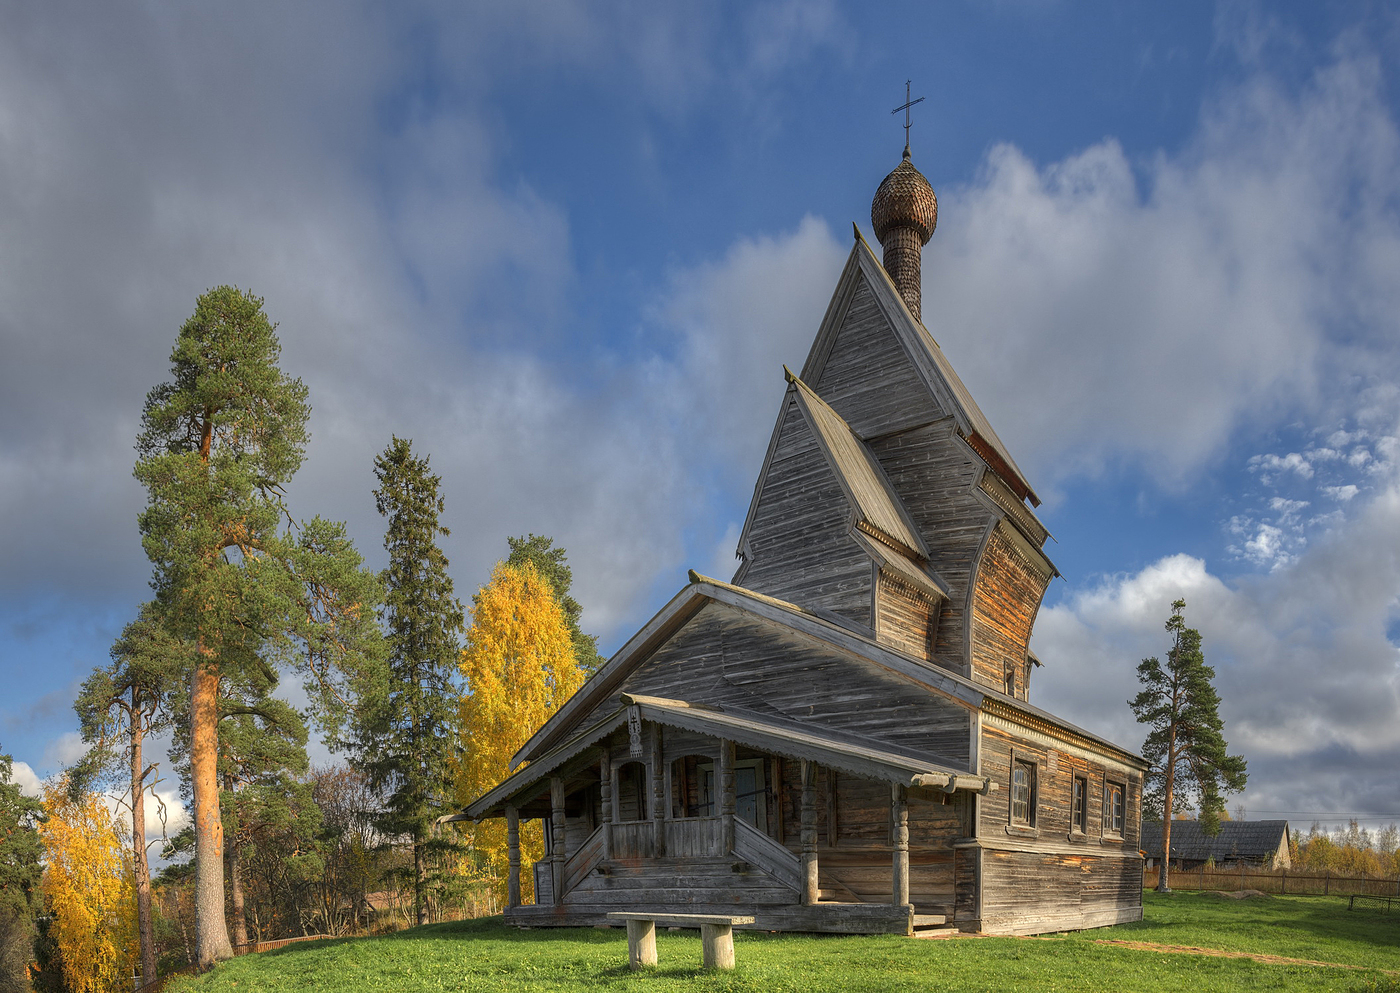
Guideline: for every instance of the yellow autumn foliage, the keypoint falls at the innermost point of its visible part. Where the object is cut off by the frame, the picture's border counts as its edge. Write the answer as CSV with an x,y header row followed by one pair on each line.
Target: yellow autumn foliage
x,y
520,668
89,888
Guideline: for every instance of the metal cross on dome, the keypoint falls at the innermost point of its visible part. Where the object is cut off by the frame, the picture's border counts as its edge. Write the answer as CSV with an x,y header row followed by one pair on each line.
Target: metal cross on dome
x,y
905,107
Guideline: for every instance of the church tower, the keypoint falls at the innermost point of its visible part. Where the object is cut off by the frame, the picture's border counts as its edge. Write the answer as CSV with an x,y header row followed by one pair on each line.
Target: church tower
x,y
904,214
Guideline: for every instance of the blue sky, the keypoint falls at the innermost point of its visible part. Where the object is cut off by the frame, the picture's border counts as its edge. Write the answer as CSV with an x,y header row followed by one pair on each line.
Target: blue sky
x,y
567,248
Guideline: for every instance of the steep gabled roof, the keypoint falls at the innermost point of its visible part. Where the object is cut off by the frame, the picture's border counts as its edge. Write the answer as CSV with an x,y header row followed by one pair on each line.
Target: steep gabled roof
x,y
607,682
928,358
872,761
873,499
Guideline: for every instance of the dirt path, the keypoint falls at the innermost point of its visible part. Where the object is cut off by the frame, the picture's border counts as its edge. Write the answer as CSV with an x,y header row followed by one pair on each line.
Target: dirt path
x,y
1148,946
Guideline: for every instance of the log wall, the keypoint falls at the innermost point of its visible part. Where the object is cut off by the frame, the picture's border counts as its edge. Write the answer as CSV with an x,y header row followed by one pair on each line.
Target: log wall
x,y
1004,605
906,619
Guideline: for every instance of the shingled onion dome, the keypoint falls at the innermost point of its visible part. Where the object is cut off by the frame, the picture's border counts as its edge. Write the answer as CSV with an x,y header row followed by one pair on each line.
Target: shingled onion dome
x,y
904,214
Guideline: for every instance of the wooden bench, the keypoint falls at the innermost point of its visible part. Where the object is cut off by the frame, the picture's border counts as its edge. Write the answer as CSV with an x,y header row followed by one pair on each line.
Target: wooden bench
x,y
716,936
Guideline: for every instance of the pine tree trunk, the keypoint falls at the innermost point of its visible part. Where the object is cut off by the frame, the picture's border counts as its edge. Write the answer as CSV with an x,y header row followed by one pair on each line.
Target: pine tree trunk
x,y
211,930
138,849
1164,871
235,878
419,881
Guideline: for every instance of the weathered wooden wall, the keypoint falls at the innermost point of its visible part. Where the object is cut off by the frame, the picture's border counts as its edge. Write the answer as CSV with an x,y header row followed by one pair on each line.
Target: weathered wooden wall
x,y
1034,892
799,548
1056,766
1004,605
729,658
868,377
905,618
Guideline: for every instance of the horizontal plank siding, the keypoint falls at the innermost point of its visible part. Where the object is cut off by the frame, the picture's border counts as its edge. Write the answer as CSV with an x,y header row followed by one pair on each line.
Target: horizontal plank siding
x,y
1004,606
1032,893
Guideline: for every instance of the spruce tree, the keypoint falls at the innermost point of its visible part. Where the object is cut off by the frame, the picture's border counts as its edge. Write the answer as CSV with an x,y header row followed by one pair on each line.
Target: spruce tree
x,y
218,445
1186,746
20,871
550,563
405,741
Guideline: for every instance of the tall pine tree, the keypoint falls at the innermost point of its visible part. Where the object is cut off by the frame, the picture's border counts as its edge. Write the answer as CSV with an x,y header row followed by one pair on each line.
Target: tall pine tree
x,y
1186,746
406,737
218,445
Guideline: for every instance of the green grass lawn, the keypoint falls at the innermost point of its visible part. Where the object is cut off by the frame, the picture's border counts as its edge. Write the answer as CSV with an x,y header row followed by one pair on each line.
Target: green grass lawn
x,y
486,956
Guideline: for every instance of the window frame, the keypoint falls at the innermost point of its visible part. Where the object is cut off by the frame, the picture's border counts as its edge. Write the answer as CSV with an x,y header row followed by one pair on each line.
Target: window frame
x,y
1114,811
1030,767
1079,805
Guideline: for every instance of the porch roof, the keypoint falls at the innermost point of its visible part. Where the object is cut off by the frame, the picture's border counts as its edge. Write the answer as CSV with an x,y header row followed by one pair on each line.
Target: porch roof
x,y
742,727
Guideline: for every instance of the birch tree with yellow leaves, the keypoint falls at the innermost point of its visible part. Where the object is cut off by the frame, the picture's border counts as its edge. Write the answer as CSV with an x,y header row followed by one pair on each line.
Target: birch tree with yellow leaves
x,y
89,888
520,667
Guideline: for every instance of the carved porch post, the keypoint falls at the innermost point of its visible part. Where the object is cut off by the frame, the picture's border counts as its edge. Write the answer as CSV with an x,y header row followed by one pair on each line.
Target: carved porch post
x,y
726,796
605,786
513,853
809,832
658,793
899,807
556,800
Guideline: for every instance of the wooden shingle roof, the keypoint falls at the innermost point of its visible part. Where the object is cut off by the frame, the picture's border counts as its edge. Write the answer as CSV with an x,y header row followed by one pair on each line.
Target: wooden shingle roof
x,y
872,498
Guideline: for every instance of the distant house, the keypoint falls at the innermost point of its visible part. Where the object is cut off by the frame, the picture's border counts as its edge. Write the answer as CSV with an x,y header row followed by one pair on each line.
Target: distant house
x,y
1261,843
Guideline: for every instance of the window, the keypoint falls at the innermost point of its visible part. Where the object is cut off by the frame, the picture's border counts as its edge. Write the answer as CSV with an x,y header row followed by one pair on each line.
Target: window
x,y
1113,808
1023,793
1008,676
1079,805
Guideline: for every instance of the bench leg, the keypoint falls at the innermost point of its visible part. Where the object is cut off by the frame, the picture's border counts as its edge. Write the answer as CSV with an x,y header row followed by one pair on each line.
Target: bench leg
x,y
641,944
717,942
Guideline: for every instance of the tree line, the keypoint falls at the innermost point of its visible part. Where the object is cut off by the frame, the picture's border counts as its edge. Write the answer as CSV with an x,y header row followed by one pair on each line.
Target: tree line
x,y
426,699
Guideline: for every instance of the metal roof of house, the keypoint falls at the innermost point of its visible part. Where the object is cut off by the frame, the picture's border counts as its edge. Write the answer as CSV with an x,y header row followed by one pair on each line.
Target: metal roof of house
x,y
1236,840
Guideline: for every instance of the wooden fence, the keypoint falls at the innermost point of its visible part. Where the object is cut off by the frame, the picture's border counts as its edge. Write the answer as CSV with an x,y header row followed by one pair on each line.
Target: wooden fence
x,y
1274,881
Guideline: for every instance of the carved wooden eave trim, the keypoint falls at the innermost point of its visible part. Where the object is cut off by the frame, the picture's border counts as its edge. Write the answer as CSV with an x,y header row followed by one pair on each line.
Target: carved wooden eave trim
x,y
1014,717
893,563
1015,509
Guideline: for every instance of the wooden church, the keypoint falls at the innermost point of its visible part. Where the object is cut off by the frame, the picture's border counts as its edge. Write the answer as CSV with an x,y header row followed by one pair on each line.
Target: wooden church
x,y
841,738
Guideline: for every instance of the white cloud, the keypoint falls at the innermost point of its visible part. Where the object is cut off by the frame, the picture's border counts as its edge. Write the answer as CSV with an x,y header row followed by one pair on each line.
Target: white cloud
x,y
28,781
1309,680
1106,310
